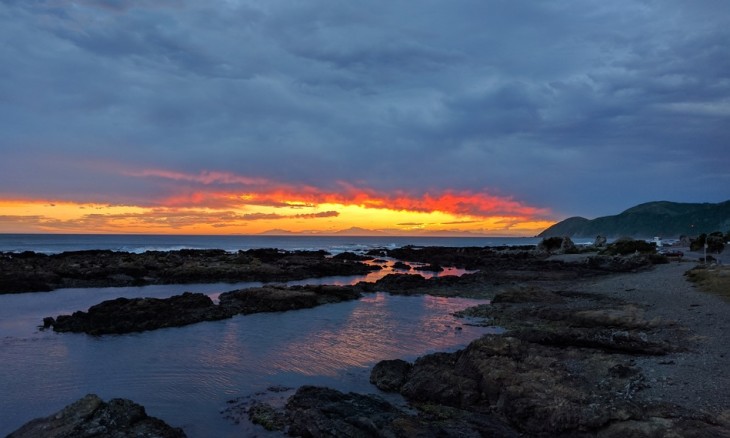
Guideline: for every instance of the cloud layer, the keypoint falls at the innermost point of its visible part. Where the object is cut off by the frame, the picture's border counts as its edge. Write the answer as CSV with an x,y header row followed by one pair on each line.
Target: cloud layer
x,y
559,108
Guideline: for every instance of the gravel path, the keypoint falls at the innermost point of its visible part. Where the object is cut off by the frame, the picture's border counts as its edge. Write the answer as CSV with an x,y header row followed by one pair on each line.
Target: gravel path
x,y
700,377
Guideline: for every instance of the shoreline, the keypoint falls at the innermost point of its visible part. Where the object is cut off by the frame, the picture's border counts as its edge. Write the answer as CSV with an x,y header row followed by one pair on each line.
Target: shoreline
x,y
651,338
686,323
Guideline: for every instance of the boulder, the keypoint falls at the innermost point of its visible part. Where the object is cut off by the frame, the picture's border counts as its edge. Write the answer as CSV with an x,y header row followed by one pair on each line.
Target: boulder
x,y
323,412
567,246
401,266
91,417
390,375
125,315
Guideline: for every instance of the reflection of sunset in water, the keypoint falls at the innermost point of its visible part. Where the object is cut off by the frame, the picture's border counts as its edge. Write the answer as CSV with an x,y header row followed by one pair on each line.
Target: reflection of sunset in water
x,y
185,373
387,268
385,327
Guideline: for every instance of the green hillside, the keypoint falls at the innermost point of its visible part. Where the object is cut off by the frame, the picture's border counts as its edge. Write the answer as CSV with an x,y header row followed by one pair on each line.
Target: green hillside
x,y
666,219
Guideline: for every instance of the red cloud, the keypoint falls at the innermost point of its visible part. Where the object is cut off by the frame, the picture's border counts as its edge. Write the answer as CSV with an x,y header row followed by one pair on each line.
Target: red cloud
x,y
207,190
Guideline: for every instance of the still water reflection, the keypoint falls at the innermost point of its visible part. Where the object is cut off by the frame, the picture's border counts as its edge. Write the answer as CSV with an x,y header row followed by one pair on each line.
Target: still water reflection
x,y
185,375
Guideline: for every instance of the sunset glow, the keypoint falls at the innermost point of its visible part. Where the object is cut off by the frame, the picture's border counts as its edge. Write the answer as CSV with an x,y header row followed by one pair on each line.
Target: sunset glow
x,y
221,203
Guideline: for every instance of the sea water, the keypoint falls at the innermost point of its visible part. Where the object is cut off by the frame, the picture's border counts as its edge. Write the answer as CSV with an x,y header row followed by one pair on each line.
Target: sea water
x,y
187,375
56,243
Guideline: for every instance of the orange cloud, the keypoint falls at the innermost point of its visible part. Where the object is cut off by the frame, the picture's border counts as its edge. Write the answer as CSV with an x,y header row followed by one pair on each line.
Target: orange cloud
x,y
220,202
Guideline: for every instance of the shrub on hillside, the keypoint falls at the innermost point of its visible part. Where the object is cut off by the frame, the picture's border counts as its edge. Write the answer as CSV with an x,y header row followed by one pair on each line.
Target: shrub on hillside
x,y
626,246
715,242
551,244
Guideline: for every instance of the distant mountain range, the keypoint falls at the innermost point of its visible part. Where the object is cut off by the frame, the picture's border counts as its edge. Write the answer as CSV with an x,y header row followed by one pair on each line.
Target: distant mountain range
x,y
357,231
664,219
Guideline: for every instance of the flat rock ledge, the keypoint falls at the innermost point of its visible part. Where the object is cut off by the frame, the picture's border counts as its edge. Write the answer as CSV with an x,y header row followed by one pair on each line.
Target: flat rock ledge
x,y
125,315
91,417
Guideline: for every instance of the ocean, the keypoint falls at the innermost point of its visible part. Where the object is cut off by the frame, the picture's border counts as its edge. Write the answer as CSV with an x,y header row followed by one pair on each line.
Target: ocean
x,y
137,243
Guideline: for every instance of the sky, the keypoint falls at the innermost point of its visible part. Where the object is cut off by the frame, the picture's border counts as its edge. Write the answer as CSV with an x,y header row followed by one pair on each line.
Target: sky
x,y
492,117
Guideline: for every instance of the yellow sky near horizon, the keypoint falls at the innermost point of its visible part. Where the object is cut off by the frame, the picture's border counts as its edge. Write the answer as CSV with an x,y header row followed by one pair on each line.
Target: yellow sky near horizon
x,y
43,216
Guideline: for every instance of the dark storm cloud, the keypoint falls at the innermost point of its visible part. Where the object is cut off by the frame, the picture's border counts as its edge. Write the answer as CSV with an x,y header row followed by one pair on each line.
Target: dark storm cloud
x,y
584,107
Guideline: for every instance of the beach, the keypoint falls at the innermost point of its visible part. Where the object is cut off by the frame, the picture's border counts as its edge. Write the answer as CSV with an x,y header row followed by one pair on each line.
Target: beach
x,y
696,378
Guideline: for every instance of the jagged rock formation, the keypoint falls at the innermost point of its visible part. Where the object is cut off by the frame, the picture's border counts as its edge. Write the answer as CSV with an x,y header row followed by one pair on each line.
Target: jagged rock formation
x,y
91,417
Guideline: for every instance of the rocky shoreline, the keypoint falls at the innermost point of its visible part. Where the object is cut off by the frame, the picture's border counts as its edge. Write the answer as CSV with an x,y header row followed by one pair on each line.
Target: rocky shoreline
x,y
36,272
495,270
579,357
90,417
568,366
124,315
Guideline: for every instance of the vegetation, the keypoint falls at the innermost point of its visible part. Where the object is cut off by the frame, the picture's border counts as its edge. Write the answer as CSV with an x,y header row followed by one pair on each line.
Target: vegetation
x,y
715,242
627,245
715,279
551,243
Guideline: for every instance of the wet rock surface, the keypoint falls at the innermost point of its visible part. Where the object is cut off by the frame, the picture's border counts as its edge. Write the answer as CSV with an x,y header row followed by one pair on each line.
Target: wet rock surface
x,y
124,315
495,270
390,375
92,417
323,412
33,272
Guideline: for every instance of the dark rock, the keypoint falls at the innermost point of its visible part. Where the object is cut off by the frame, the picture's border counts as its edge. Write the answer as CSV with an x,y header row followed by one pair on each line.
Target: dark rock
x,y
265,415
567,246
402,266
390,375
28,272
282,298
323,412
91,417
600,241
623,370
557,245
124,315
351,256
538,389
397,282
611,341
564,368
